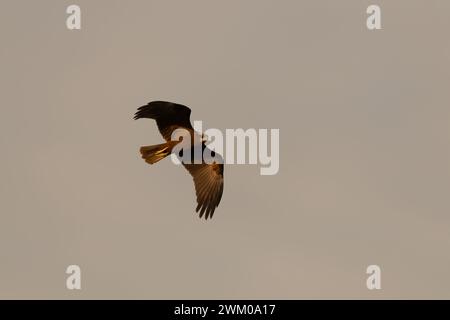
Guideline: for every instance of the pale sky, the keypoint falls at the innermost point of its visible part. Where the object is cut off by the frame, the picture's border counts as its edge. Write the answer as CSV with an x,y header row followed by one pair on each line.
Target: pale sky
x,y
364,149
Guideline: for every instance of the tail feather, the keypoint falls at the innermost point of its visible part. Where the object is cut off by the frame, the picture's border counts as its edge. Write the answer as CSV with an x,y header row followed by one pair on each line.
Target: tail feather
x,y
155,153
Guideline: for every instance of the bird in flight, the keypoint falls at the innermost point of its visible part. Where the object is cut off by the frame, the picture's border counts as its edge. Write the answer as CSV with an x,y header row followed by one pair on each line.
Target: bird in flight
x,y
208,177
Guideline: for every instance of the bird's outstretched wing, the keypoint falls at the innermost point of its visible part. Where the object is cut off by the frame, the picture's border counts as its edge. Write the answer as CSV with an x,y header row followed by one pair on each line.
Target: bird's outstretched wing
x,y
208,180
169,116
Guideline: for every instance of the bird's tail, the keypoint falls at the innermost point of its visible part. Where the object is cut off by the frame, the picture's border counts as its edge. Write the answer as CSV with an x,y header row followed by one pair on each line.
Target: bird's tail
x,y
152,154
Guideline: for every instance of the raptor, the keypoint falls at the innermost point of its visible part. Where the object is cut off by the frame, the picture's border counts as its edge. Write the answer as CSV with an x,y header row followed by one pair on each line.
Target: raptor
x,y
207,175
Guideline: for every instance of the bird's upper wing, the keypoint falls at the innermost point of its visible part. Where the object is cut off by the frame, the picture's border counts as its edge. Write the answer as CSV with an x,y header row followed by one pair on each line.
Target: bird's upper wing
x,y
168,115
208,180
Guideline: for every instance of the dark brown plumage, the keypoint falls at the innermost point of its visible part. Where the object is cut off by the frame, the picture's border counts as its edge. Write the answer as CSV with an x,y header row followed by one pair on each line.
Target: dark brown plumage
x,y
208,178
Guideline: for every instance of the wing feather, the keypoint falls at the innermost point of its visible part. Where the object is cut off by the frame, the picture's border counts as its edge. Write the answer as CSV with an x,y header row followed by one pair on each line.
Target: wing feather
x,y
168,115
208,181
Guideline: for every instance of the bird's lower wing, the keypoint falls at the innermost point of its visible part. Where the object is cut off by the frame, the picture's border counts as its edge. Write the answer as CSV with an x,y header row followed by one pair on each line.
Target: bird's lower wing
x,y
208,180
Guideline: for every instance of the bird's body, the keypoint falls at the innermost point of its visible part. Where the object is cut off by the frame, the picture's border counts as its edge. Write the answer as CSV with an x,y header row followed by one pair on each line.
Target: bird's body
x,y
208,177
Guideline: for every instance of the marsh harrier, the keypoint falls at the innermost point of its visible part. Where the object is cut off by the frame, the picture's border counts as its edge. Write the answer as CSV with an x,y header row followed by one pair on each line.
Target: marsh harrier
x,y
207,175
